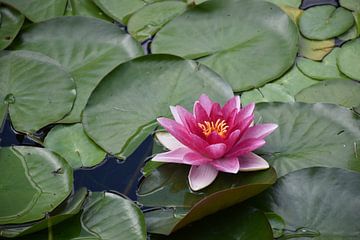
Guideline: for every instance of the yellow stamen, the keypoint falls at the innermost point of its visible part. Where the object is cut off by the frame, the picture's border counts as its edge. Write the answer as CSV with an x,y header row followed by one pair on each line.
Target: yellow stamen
x,y
220,127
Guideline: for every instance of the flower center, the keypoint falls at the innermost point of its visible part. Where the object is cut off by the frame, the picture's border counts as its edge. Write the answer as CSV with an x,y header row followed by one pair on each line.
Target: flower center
x,y
220,127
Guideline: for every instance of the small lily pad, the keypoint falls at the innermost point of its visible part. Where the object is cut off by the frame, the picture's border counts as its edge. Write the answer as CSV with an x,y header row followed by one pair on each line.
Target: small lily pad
x,y
271,92
349,59
315,50
324,22
10,24
85,8
71,142
353,5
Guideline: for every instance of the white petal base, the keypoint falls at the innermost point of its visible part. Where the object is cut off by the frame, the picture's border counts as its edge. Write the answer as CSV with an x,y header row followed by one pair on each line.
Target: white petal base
x,y
168,141
252,162
201,176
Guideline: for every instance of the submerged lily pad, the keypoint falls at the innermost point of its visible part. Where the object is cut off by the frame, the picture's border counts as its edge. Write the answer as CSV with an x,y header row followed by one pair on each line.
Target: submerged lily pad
x,y
25,90
310,135
341,92
121,111
167,187
349,59
315,50
320,203
324,22
71,142
38,10
85,8
89,55
34,181
10,24
244,46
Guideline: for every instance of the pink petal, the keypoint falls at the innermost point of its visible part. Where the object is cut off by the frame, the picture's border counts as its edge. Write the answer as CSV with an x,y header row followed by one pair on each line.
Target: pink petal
x,y
215,151
252,162
232,138
175,114
188,120
214,138
233,103
216,112
200,113
181,155
245,147
206,103
259,131
195,158
230,165
247,111
168,141
201,176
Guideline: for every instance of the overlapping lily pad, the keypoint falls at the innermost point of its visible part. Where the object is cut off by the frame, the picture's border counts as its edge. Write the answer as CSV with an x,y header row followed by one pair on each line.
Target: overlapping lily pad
x,y
271,92
88,54
85,8
10,24
25,90
167,187
353,5
317,203
121,111
34,181
315,50
244,46
349,58
71,142
310,135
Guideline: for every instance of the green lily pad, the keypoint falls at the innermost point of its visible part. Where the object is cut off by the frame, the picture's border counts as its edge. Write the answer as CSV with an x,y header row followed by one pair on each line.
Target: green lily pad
x,y
38,10
25,90
10,24
71,142
245,44
85,8
317,203
34,181
167,187
271,92
236,223
71,208
324,22
349,58
324,70
290,3
121,111
353,5
315,50
89,55
310,135
341,92
352,33
150,19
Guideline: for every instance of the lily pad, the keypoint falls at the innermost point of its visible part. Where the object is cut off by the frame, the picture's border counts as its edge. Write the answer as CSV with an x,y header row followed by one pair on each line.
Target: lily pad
x,y
71,208
315,50
10,24
317,203
126,103
352,33
71,142
245,44
324,22
341,92
89,55
353,5
85,8
38,10
310,135
324,70
150,19
290,3
167,187
34,181
349,58
271,92
32,100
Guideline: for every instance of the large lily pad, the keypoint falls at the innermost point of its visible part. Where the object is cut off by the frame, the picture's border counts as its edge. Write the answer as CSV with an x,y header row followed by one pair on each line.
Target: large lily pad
x,y
310,135
244,46
71,142
89,55
321,203
341,92
315,50
271,92
349,58
38,10
167,187
10,24
85,8
122,110
32,100
34,181
324,22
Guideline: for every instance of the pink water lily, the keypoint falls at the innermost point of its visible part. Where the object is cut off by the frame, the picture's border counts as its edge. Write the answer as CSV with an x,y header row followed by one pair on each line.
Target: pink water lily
x,y
213,139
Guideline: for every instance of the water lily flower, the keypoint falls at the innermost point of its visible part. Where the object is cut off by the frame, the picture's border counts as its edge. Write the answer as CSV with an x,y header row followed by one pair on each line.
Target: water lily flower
x,y
213,139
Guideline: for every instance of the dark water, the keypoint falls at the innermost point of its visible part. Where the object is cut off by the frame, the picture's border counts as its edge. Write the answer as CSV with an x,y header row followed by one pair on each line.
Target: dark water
x,y
311,3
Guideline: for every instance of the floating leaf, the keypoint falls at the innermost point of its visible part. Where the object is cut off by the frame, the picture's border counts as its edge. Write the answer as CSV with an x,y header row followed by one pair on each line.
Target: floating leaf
x,y
341,92
271,92
310,135
352,33
71,142
317,203
245,44
32,100
89,55
167,187
290,7
353,5
349,58
10,24
290,3
34,181
85,8
38,10
150,19
124,103
315,50
324,22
